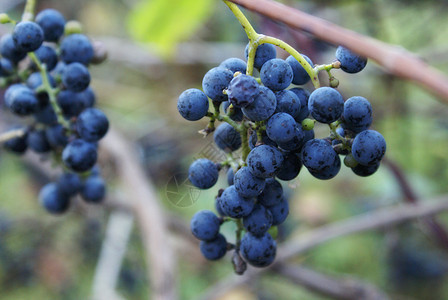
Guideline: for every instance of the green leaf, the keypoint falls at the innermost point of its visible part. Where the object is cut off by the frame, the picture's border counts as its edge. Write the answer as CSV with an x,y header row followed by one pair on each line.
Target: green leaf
x,y
165,23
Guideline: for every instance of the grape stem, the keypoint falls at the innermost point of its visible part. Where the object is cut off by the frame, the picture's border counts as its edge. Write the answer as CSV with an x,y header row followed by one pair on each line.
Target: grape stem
x,y
28,13
12,134
239,231
52,93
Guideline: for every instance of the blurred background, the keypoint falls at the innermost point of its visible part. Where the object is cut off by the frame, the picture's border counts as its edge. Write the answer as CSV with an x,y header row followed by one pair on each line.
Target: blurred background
x,y
159,48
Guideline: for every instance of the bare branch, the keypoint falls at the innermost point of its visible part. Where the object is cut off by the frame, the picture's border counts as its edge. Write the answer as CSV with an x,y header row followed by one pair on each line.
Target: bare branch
x,y
12,134
393,59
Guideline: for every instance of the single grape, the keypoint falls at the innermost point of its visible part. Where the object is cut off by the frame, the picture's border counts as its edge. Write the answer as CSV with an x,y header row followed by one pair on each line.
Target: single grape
x,y
234,65
27,36
369,147
258,221
350,62
319,157
93,190
203,173
230,176
357,114
76,77
234,205
76,48
272,193
214,249
215,81
246,184
276,74
296,142
47,55
70,103
53,199
288,102
262,107
52,23
281,127
258,251
6,67
365,171
279,212
264,53
290,168
242,90
303,96
17,145
227,138
46,115
192,104
300,75
21,100
86,98
264,161
70,183
9,50
205,225
56,136
326,105
37,141
79,155
92,125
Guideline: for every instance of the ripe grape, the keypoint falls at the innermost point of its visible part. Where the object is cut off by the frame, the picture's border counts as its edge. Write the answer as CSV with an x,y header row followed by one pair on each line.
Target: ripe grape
x,y
303,96
258,221
264,161
52,23
53,199
47,55
93,190
262,107
300,75
279,211
258,251
205,225
234,65
281,127
276,74
272,193
288,102
214,249
192,104
357,114
242,90
9,50
76,77
37,141
234,205
92,125
76,48
350,62
79,155
203,173
227,138
69,183
290,168
319,157
27,36
369,147
246,184
215,81
326,105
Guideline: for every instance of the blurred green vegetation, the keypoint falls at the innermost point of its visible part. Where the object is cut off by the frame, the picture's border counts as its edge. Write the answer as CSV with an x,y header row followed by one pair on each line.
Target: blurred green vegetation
x,y
54,257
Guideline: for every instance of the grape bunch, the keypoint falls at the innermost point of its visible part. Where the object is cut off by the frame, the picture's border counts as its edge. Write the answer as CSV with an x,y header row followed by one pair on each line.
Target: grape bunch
x,y
44,68
272,121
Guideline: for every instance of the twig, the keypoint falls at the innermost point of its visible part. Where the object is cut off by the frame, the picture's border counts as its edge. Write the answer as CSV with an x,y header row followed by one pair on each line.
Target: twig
x,y
382,218
336,288
393,59
12,134
150,217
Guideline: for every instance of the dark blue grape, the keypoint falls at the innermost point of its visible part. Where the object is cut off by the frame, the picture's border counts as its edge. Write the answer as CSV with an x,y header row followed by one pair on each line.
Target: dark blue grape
x,y
272,193
59,69
350,62
234,205
37,141
242,90
326,105
205,225
258,221
288,102
246,184
290,168
53,199
203,173
86,98
234,65
52,23
264,53
258,251
227,138
56,136
27,36
281,127
253,140
79,155
262,107
308,135
192,104
92,125
365,171
18,144
219,208
369,147
21,100
279,212
236,115
93,190
215,81
264,161
357,114
214,249
296,142
303,96
230,176
9,50
276,74
6,67
300,75
70,183
319,157
70,103
47,55
76,77
76,48
46,115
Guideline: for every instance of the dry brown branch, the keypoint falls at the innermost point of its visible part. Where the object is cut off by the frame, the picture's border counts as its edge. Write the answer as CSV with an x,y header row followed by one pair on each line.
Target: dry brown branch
x,y
395,60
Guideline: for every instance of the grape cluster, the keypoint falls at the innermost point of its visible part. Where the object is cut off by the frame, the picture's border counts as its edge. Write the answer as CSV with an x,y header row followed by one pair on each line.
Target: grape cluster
x,y
44,66
277,123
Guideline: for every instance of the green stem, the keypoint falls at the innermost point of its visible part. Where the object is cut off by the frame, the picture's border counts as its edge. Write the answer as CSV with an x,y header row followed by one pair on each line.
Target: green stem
x,y
333,127
245,144
28,13
52,93
12,134
239,231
